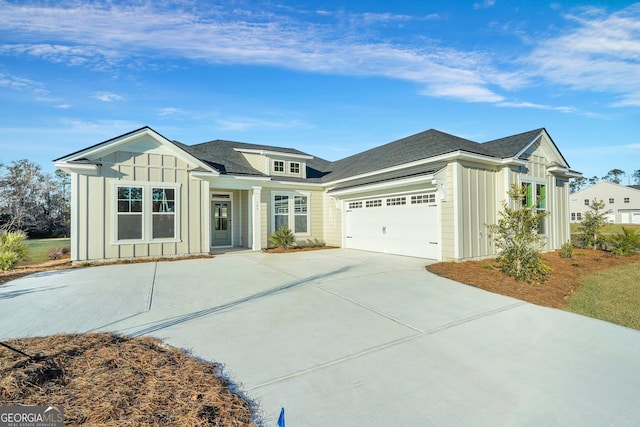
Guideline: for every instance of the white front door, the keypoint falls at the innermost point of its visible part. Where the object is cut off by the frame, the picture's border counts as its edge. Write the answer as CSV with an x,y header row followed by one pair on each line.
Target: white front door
x,y
221,223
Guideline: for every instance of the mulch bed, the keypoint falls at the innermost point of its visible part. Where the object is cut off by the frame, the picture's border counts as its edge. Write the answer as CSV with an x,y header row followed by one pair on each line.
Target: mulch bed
x,y
562,281
109,380
296,249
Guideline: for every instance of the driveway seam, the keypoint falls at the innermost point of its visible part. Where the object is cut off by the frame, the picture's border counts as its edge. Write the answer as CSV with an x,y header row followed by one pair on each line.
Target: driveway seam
x,y
152,289
371,309
386,345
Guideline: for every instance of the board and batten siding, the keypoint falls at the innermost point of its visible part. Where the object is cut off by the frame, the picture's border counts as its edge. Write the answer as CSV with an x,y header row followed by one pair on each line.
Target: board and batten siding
x,y
96,207
332,220
448,205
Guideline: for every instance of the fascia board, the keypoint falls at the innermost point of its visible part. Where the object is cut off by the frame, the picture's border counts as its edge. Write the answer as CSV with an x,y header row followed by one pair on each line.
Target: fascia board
x,y
80,168
551,145
114,144
273,153
381,185
454,155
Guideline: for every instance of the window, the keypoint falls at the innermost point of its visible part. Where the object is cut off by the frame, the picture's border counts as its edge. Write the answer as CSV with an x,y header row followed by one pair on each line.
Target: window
x,y
611,200
130,211
291,210
146,213
573,216
278,166
355,205
626,200
423,198
163,213
579,216
294,167
537,196
373,203
586,202
396,201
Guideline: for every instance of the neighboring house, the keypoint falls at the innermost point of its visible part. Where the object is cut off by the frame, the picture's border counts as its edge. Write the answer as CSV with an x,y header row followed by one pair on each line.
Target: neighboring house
x,y
623,202
428,195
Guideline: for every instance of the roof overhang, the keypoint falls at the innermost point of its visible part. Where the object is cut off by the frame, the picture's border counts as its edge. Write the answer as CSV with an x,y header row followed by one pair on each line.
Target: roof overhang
x,y
378,186
443,158
563,172
72,162
273,153
83,167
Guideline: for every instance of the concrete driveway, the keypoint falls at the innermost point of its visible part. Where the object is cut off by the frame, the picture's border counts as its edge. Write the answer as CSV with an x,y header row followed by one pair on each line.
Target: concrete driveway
x,y
349,338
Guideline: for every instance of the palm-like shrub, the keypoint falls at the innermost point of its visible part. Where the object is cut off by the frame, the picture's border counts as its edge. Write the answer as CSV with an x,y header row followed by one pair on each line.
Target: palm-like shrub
x,y
282,238
625,243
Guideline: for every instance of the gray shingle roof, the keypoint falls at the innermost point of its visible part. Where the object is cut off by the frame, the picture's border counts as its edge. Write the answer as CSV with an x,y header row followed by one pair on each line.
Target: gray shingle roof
x,y
222,156
511,145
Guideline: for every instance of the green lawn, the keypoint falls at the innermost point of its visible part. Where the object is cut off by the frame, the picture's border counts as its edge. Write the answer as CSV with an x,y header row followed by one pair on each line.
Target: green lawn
x,y
38,249
612,295
608,229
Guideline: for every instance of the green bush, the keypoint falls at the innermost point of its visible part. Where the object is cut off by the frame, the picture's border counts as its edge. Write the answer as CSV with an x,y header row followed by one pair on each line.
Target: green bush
x,y
591,226
625,243
566,250
516,236
282,238
13,249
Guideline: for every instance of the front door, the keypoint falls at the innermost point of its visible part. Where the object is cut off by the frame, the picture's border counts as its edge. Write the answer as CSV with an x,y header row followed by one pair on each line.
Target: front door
x,y
221,227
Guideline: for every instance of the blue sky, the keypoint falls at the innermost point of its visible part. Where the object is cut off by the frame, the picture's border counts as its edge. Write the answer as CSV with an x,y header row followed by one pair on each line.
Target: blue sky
x,y
329,78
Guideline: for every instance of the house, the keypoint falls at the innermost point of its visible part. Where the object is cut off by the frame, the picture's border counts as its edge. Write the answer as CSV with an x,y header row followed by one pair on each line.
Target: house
x,y
622,201
428,195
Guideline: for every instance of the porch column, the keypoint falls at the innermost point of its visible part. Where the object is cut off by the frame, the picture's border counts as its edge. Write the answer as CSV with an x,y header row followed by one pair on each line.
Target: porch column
x,y
256,215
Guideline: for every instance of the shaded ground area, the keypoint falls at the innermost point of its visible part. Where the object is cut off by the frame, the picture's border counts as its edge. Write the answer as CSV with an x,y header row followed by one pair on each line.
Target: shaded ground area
x,y
563,280
102,379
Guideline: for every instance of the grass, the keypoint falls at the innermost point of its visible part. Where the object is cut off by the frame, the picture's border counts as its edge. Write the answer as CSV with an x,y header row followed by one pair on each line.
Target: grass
x,y
612,295
38,249
607,229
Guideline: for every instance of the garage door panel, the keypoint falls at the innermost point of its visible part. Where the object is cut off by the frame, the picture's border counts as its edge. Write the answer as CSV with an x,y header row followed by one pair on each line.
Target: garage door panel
x,y
403,229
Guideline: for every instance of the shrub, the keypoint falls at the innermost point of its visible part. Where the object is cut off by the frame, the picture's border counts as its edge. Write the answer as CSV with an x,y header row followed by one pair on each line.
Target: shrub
x,y
516,236
566,250
282,238
56,253
591,225
625,243
13,249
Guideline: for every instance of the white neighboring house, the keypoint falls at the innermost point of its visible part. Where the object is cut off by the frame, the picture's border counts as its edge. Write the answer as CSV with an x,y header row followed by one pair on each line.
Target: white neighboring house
x,y
623,202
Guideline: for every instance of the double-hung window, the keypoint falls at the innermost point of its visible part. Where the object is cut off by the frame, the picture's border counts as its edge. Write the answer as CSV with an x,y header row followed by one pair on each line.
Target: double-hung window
x,y
536,195
130,213
146,213
291,210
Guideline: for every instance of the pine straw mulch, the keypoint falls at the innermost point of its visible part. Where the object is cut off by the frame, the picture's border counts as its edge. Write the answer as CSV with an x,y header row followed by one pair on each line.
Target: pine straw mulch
x,y
562,281
110,380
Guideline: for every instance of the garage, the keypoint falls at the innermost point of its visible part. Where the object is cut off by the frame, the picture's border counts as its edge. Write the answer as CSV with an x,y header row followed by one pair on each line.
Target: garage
x,y
396,224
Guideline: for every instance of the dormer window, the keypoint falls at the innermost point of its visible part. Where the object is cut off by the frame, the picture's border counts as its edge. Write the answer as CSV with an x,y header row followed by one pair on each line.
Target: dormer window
x,y
294,167
278,166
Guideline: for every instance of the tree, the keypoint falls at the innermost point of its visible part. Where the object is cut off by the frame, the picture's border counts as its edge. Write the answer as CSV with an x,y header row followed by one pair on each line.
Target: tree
x,y
31,201
593,180
516,236
614,175
636,176
577,184
592,223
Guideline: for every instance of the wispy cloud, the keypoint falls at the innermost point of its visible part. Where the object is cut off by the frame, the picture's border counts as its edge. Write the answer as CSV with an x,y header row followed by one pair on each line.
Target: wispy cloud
x,y
170,111
484,4
599,54
242,124
107,96
15,82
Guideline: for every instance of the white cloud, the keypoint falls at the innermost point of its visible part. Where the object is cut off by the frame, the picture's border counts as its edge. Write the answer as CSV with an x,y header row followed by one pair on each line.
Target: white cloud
x,y
170,111
242,124
14,82
485,4
599,55
107,96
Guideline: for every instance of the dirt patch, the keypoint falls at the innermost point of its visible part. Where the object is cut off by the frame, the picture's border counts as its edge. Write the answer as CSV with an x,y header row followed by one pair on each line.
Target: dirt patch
x,y
563,280
110,380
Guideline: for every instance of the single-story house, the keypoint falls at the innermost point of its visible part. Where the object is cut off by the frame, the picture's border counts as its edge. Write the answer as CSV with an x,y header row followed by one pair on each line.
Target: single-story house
x,y
428,195
622,201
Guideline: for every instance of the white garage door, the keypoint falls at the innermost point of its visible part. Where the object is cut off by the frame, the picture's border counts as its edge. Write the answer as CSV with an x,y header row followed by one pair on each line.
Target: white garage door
x,y
402,225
